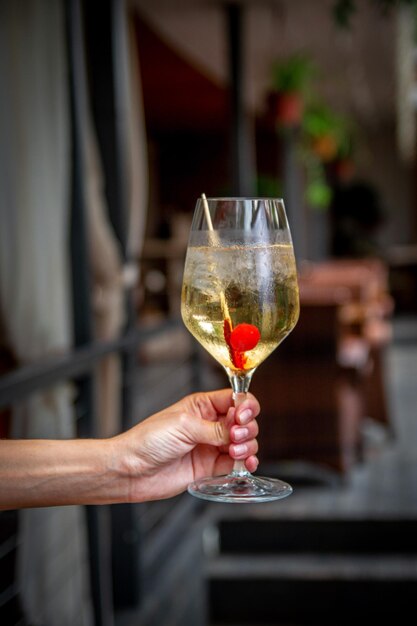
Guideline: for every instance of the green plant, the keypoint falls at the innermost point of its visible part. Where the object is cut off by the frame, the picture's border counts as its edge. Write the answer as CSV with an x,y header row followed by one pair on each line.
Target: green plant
x,y
318,193
330,135
324,137
268,186
319,120
293,74
343,10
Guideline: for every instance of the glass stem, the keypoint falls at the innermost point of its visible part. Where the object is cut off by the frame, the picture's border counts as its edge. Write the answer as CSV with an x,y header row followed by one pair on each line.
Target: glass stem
x,y
240,386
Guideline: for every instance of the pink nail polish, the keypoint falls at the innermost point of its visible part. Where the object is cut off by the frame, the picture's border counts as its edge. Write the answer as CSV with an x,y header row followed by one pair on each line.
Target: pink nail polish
x,y
245,416
240,433
240,449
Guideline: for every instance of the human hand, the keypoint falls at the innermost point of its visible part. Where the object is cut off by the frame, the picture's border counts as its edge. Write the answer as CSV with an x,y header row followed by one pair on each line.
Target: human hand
x,y
201,435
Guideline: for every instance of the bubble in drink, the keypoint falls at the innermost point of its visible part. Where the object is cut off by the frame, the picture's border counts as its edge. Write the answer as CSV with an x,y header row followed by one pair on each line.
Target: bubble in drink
x,y
225,288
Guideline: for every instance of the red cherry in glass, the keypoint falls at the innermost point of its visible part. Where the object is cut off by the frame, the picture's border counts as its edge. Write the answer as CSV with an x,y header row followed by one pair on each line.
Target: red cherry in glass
x,y
244,337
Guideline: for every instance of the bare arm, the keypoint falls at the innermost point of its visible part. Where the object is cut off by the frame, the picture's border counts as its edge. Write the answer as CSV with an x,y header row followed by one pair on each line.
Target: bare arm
x,y
43,472
158,458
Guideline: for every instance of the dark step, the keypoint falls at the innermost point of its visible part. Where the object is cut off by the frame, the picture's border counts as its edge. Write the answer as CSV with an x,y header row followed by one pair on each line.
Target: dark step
x,y
359,536
332,602
311,589
313,572
314,567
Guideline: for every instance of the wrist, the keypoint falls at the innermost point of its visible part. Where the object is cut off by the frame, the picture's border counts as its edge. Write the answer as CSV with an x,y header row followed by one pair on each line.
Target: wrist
x,y
124,463
91,473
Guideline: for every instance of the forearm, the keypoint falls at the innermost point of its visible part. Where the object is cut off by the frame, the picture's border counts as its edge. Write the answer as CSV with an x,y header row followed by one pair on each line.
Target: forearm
x,y
157,458
50,473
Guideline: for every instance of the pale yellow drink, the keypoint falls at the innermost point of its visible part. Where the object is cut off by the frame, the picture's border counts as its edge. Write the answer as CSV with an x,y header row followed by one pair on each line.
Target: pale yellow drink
x,y
255,285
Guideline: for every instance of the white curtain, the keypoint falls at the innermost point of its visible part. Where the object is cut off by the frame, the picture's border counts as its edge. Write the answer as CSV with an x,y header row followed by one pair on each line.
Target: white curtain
x,y
108,291
137,146
110,277
34,286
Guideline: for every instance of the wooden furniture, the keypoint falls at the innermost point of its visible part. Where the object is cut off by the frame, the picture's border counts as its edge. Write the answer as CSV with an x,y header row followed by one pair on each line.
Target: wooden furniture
x,y
310,391
328,375
366,317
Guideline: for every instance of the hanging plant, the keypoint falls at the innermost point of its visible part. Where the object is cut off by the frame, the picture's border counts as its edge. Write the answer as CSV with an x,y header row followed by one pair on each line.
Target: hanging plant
x,y
326,132
290,85
318,192
324,138
344,10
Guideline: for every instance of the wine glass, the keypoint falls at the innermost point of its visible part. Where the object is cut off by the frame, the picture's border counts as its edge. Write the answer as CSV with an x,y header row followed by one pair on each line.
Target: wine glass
x,y
240,300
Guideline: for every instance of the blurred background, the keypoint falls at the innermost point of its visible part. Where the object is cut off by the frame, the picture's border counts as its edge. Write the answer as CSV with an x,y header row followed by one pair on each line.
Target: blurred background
x,y
114,117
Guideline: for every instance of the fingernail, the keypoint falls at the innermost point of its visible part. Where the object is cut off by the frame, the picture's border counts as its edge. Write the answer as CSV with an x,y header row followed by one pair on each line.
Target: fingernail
x,y
240,433
240,449
245,416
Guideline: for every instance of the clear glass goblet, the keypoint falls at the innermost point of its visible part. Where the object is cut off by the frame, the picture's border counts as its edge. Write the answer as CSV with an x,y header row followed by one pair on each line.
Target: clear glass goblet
x,y
240,300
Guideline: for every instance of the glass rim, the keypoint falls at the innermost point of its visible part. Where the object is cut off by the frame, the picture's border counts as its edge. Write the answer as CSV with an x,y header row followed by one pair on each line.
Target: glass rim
x,y
243,198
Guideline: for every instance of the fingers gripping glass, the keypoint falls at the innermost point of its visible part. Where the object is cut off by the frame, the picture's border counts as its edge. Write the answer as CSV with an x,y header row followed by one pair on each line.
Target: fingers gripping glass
x,y
240,300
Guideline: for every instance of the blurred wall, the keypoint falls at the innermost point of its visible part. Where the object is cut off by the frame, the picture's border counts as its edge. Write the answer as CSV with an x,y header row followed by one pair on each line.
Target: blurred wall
x,y
356,75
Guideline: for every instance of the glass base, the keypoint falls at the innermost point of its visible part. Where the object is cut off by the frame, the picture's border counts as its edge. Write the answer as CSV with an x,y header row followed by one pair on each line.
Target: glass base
x,y
244,488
